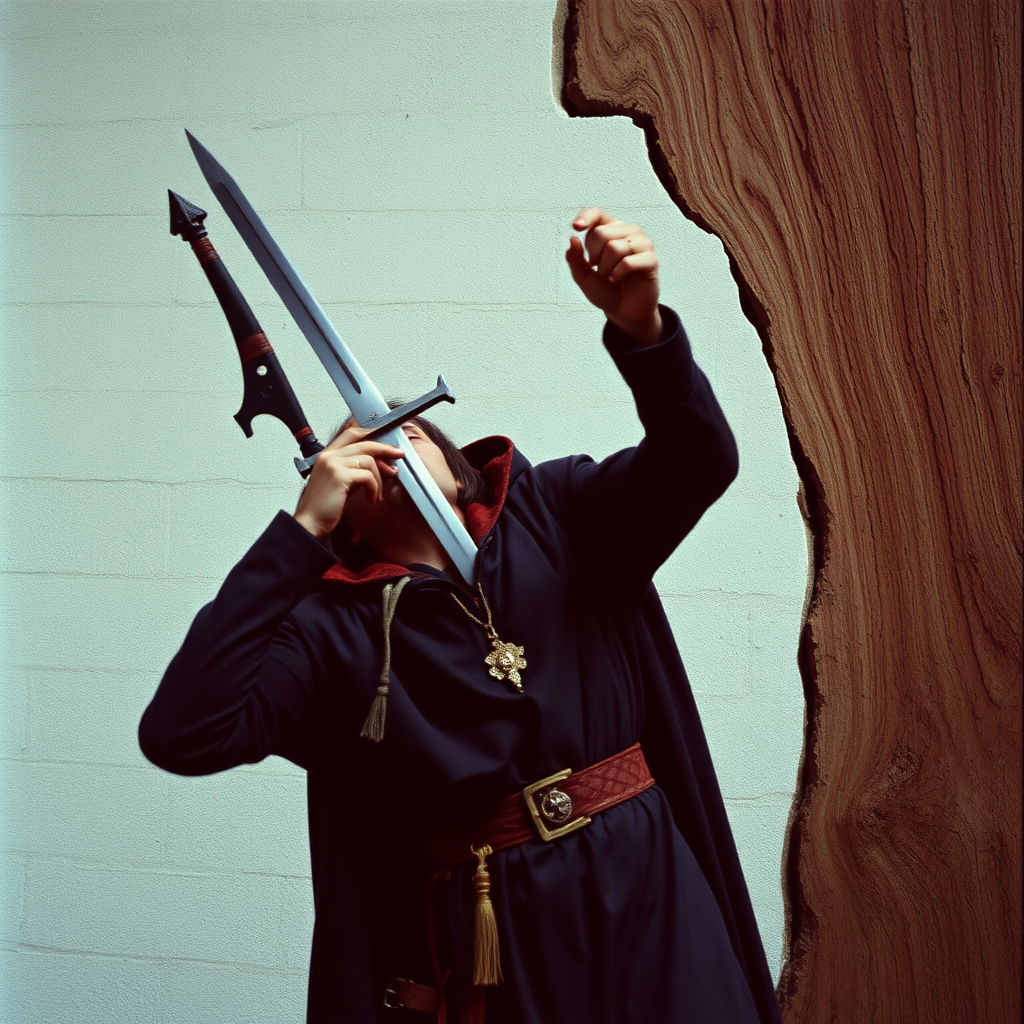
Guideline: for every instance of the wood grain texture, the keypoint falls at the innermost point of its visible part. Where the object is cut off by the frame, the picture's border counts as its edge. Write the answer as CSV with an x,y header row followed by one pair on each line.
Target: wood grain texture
x,y
861,163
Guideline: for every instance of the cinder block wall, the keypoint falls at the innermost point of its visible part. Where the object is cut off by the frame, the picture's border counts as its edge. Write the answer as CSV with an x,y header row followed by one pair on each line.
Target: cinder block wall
x,y
413,160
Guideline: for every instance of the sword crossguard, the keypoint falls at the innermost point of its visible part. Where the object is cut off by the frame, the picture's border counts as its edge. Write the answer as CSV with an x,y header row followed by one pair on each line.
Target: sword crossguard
x,y
305,466
383,422
380,422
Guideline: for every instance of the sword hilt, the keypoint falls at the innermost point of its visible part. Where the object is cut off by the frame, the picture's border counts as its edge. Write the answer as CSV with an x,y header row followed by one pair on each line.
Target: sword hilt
x,y
381,423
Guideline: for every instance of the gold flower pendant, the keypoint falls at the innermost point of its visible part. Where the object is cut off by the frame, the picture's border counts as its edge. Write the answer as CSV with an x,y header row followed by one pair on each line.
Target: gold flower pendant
x,y
506,661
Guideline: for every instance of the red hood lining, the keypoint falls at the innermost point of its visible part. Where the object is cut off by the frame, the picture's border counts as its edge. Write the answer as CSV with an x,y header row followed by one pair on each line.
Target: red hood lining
x,y
492,456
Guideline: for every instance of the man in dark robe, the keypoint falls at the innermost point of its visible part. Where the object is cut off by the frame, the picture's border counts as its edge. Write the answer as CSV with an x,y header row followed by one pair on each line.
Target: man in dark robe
x,y
422,707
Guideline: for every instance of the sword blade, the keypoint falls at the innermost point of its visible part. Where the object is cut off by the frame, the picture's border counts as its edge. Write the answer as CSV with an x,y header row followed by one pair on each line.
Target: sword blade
x,y
358,391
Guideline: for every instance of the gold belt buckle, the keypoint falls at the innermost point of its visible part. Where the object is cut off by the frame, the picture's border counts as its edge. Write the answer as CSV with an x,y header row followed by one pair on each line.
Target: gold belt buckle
x,y
391,994
547,803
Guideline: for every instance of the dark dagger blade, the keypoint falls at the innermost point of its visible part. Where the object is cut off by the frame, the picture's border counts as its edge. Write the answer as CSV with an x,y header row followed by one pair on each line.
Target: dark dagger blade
x,y
267,390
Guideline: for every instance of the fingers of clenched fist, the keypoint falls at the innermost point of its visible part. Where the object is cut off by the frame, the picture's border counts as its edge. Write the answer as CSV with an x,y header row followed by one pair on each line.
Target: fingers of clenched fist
x,y
613,247
346,464
616,268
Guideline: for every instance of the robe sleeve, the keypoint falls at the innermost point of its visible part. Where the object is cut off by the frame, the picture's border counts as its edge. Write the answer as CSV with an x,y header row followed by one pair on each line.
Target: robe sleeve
x,y
241,686
632,509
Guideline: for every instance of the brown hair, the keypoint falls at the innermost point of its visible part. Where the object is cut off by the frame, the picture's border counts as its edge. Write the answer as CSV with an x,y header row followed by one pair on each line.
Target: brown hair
x,y
471,483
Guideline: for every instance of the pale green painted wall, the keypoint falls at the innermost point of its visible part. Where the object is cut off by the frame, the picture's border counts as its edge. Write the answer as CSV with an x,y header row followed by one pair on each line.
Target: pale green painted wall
x,y
414,163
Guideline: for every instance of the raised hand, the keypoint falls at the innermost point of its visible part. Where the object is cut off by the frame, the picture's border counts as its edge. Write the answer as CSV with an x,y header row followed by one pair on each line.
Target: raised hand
x,y
617,270
348,463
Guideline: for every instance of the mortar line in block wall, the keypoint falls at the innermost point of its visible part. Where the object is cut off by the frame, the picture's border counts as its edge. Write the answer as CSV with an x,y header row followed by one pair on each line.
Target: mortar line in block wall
x,y
157,960
31,857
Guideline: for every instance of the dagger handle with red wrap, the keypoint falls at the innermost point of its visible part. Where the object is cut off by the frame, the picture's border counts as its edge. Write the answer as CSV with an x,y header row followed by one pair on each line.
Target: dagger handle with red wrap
x,y
266,388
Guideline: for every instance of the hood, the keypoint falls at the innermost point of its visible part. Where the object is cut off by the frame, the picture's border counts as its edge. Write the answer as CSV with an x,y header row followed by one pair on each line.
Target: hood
x,y
499,463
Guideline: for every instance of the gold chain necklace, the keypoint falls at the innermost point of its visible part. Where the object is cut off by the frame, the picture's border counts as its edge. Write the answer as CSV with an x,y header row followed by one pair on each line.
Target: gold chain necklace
x,y
505,660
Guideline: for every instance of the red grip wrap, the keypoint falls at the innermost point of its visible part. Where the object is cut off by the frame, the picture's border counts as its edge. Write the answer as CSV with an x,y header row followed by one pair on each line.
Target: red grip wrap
x,y
204,250
253,346
304,432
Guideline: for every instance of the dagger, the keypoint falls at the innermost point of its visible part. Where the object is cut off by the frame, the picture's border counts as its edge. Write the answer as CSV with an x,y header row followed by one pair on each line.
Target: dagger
x,y
361,396
266,388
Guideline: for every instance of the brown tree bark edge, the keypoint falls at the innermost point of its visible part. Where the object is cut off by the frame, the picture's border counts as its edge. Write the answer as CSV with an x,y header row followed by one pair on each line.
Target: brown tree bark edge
x,y
861,164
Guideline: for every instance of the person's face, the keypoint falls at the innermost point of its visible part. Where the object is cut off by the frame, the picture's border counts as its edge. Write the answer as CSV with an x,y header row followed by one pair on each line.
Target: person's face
x,y
371,518
433,458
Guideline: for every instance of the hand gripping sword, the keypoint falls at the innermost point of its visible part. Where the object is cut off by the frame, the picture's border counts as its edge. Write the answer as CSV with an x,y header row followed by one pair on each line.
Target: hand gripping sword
x,y
363,399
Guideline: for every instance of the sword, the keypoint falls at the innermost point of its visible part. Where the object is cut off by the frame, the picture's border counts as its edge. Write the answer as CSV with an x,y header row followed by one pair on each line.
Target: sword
x,y
363,399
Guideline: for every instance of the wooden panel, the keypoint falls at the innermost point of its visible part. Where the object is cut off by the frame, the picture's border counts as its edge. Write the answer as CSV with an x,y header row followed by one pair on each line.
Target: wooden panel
x,y
861,163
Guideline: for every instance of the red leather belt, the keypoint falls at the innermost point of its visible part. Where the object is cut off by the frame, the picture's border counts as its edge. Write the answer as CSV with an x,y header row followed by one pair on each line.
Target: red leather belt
x,y
549,809
402,994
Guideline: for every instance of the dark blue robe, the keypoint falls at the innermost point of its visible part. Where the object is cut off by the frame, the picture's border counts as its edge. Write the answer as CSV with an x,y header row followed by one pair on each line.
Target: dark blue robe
x,y
643,916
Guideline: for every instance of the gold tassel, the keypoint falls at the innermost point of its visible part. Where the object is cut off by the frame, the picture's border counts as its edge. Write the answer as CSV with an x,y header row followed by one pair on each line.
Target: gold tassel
x,y
373,727
486,961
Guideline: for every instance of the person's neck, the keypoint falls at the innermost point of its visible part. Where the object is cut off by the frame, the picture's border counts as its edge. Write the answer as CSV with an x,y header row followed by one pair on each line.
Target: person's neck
x,y
416,544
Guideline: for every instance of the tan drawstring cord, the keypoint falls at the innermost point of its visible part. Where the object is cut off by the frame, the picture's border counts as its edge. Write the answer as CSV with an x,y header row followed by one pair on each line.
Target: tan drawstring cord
x,y
486,959
373,727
